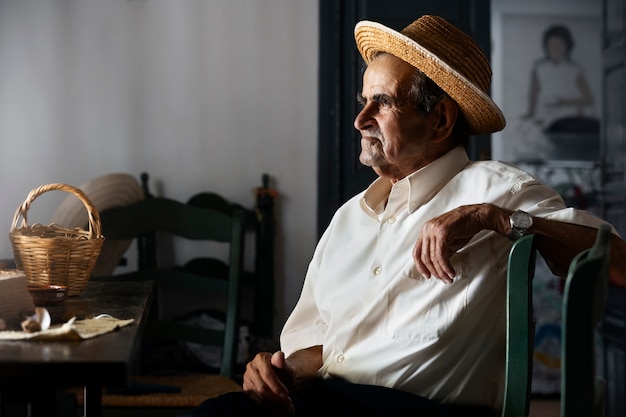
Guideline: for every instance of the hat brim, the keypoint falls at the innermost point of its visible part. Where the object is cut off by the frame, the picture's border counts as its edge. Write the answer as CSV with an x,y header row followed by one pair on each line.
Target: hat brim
x,y
108,191
482,114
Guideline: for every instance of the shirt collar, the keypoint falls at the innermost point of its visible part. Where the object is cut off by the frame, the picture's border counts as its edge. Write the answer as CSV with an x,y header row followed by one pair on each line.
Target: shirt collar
x,y
417,188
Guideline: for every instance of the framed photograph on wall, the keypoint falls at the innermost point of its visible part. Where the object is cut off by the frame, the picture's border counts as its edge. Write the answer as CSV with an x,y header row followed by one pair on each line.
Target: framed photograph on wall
x,y
551,87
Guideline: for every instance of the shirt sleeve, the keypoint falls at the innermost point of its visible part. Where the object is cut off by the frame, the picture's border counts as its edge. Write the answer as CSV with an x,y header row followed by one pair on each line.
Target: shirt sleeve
x,y
305,327
582,217
543,201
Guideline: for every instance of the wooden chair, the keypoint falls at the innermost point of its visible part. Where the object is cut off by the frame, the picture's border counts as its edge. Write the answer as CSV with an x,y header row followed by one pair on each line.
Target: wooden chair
x,y
520,328
147,221
260,280
584,301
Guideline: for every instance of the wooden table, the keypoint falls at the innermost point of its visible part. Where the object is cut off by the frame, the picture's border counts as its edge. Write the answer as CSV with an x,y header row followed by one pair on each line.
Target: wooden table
x,y
42,368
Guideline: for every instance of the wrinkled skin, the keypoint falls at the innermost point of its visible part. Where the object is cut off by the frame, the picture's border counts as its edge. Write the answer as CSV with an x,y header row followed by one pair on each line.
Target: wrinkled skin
x,y
269,377
395,139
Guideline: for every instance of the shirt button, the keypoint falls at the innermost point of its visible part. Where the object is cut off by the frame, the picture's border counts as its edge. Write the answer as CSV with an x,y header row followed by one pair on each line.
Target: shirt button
x,y
391,220
378,270
340,358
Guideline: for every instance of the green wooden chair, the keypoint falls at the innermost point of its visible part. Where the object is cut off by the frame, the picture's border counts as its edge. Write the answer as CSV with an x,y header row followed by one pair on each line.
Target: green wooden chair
x,y
584,301
259,278
172,391
520,331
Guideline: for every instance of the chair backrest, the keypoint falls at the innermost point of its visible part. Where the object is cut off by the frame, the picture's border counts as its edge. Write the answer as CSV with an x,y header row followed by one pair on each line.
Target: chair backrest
x,y
261,277
520,331
584,303
158,215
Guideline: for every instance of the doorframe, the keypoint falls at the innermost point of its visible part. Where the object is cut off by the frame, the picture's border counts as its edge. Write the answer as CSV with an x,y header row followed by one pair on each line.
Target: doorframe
x,y
337,68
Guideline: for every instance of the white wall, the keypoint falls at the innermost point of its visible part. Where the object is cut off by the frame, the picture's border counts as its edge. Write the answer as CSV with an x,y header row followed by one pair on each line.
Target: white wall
x,y
202,94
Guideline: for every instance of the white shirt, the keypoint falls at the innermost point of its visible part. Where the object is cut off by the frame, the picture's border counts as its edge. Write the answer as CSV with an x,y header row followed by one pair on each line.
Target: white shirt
x,y
382,323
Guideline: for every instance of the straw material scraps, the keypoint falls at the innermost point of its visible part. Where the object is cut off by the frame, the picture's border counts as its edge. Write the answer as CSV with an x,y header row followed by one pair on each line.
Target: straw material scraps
x,y
72,330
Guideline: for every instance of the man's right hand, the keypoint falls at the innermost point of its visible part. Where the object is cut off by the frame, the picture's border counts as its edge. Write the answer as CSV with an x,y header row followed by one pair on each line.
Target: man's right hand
x,y
269,377
266,381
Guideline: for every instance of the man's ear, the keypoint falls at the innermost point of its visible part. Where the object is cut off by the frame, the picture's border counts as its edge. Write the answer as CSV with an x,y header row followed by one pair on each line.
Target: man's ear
x,y
446,112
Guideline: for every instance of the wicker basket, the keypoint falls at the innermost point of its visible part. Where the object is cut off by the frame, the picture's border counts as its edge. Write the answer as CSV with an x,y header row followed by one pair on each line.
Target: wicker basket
x,y
54,255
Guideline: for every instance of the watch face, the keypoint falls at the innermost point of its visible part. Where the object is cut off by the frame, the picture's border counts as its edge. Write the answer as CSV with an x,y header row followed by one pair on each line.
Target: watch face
x,y
521,220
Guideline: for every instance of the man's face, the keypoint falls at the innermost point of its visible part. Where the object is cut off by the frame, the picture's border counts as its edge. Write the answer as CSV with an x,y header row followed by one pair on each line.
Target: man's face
x,y
394,136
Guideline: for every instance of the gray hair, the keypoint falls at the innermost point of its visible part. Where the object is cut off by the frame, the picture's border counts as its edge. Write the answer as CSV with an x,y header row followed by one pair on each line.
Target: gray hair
x,y
424,94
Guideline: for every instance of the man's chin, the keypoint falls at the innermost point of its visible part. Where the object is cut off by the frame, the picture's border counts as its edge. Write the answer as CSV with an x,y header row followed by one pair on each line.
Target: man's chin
x,y
376,167
369,160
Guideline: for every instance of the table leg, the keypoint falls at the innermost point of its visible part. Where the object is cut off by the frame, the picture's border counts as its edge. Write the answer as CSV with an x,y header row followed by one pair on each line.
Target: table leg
x,y
92,401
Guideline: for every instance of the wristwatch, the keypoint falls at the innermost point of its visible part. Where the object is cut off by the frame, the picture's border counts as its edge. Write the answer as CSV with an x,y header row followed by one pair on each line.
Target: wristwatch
x,y
520,223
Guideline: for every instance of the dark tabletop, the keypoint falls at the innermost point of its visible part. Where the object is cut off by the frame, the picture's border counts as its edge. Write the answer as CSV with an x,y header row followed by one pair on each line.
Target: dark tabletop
x,y
105,360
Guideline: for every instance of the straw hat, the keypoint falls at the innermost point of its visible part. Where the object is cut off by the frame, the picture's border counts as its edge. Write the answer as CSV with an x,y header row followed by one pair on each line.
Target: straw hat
x,y
447,56
105,192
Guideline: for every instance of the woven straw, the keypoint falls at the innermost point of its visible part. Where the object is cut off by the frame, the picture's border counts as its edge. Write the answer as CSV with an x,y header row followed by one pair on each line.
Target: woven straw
x,y
54,255
447,56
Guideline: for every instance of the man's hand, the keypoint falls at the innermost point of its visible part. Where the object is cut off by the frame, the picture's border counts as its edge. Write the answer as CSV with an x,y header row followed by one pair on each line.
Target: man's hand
x,y
442,236
269,377
266,381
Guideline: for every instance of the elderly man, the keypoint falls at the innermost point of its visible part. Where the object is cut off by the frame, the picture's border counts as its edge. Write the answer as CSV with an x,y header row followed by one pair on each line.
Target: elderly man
x,y
402,311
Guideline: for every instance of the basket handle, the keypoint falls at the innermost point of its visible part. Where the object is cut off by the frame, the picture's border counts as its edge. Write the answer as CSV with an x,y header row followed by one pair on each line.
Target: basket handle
x,y
95,228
